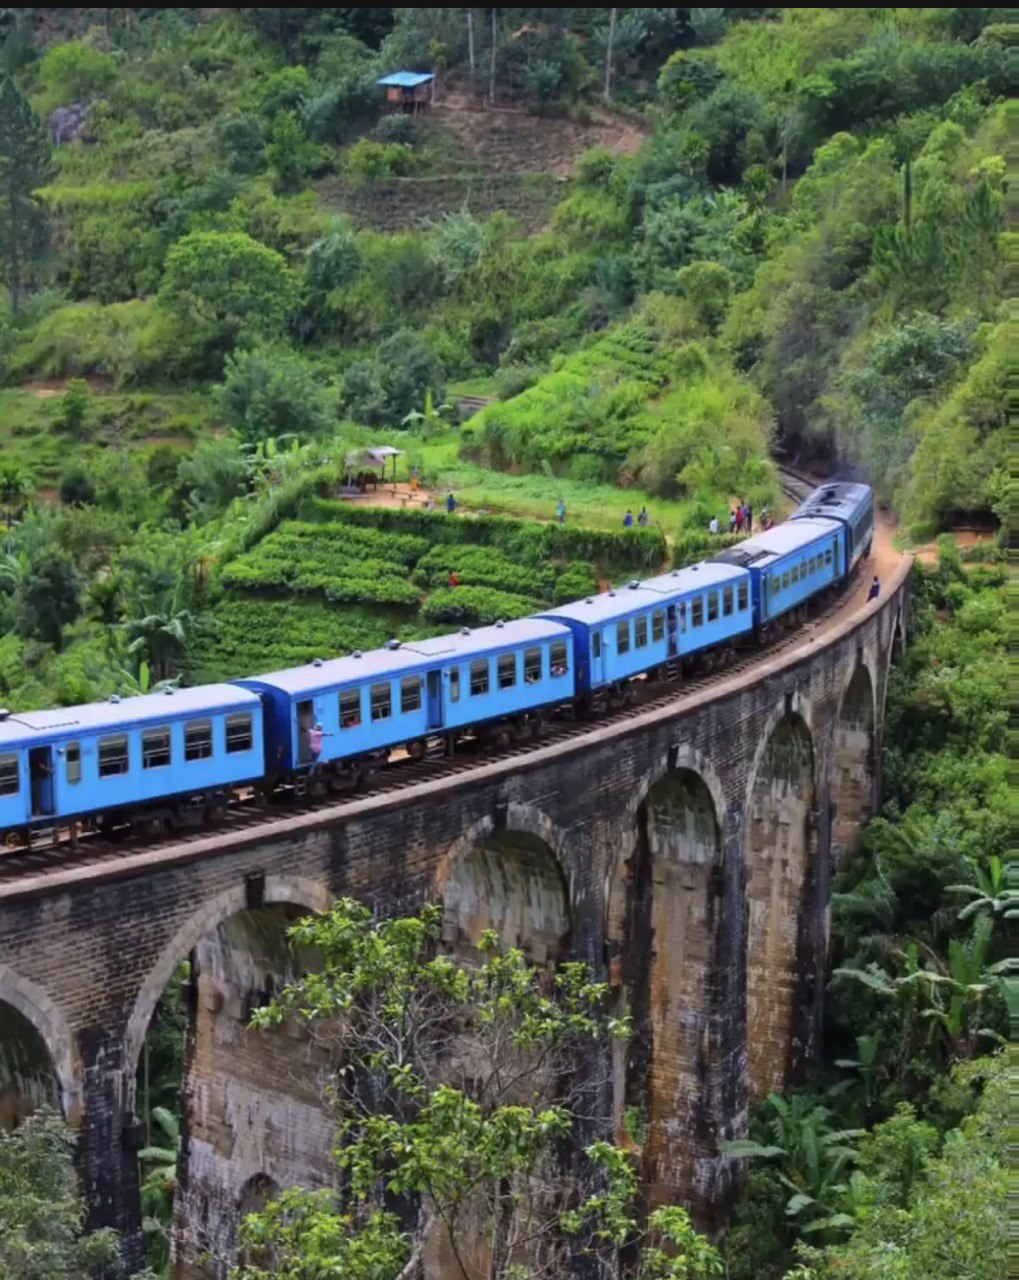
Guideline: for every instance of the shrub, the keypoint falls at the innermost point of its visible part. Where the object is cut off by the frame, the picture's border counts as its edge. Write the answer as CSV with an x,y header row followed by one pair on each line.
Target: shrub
x,y
368,161
74,405
268,394
476,606
397,128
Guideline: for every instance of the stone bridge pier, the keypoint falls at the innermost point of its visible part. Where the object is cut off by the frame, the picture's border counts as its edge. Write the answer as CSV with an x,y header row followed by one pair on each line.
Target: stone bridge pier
x,y
685,853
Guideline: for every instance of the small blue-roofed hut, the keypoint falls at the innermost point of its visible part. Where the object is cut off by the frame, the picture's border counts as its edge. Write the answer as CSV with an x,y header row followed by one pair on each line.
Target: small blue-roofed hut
x,y
408,91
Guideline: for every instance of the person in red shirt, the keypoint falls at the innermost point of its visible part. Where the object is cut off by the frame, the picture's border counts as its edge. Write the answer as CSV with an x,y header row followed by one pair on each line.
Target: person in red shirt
x,y
454,581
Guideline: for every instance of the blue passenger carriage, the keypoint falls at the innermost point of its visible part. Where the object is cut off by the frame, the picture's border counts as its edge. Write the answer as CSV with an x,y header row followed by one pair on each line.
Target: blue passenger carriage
x,y
616,635
144,755
853,506
708,606
789,565
406,693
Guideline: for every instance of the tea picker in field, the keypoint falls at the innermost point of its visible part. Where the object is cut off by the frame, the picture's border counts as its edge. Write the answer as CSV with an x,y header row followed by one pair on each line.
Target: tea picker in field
x,y
643,518
560,512
450,504
628,519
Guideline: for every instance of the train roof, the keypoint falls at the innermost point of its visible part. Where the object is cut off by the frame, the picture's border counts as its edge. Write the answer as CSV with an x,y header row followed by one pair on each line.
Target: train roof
x,y
839,501
763,549
407,655
147,708
608,606
695,577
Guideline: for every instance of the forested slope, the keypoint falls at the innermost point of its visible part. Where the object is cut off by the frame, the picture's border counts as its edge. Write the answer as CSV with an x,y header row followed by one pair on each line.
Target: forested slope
x,y
661,245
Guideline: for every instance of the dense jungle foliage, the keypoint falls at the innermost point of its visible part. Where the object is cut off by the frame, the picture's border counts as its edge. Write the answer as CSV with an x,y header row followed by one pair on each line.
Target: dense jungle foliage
x,y
687,240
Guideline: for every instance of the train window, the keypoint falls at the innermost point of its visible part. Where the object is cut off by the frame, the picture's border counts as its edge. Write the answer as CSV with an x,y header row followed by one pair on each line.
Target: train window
x,y
596,645
479,677
507,670
812,566
682,617
658,625
532,665
9,777
198,740
623,637
454,684
72,762
827,557
785,581
803,570
156,748
712,606
239,734
381,701
559,658
742,596
796,573
640,633
410,694
697,613
727,602
350,708
113,756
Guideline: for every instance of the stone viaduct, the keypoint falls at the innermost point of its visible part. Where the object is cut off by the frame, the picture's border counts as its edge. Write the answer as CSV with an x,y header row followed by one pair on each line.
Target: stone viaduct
x,y
686,853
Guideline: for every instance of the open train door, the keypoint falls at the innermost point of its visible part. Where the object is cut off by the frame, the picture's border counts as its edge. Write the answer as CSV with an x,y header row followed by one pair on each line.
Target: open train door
x,y
40,771
435,720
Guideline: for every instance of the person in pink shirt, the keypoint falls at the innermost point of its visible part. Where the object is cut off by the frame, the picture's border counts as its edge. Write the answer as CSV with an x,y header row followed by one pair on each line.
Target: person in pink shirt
x,y
316,736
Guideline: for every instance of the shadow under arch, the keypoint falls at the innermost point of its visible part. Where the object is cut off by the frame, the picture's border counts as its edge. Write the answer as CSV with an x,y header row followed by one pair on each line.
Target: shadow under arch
x,y
294,891
853,763
781,859
38,1011
508,876
664,912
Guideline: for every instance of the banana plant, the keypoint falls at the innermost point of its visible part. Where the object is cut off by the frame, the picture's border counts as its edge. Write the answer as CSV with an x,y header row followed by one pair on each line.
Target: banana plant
x,y
866,1063
991,894
159,1183
812,1160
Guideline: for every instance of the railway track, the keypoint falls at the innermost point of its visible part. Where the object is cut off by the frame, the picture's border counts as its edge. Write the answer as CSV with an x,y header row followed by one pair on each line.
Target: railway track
x,y
397,776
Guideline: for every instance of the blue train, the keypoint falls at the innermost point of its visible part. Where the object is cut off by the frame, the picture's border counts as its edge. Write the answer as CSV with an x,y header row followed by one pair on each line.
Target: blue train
x,y
155,759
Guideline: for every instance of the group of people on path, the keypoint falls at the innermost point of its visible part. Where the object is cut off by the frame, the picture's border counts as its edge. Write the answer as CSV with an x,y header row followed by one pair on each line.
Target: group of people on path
x,y
741,519
642,518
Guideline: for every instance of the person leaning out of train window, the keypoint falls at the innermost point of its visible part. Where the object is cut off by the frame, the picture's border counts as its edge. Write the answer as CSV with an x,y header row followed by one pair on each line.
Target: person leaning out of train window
x,y
316,735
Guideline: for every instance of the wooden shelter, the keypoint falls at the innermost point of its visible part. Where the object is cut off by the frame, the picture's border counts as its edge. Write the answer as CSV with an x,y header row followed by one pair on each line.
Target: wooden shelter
x,y
408,91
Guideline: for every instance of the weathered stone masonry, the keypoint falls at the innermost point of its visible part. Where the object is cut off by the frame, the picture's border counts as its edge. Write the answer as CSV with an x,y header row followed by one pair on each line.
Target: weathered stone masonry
x,y
686,854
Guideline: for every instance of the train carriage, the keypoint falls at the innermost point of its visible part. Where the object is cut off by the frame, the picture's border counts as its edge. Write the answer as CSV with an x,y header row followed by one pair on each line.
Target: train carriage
x,y
789,565
112,757
369,703
852,505
708,605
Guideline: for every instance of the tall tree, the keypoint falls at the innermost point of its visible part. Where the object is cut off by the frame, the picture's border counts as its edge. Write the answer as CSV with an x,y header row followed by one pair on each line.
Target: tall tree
x,y
25,166
610,43
458,1088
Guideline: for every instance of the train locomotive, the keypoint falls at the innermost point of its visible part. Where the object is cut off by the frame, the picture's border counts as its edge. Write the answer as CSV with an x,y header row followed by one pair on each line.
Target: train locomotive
x,y
158,760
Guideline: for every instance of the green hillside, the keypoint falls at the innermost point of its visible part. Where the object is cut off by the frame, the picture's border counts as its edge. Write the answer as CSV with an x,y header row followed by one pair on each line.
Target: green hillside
x,y
620,258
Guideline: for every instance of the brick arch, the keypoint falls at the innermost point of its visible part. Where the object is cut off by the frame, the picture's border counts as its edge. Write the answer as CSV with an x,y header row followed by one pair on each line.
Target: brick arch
x,y
681,758
43,1015
524,892
297,891
794,704
852,762
781,863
